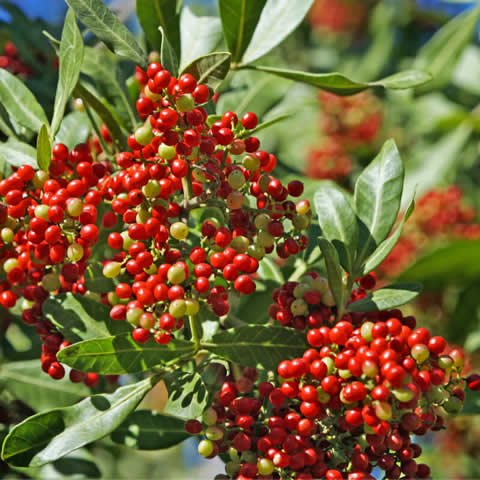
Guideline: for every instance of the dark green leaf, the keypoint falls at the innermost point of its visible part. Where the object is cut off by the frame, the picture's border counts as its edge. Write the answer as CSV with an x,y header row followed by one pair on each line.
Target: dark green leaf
x,y
154,13
378,193
70,57
105,114
96,281
168,55
466,314
100,20
146,430
278,20
253,309
73,130
210,69
50,435
39,392
341,85
457,263
337,221
334,271
199,36
386,298
187,395
19,102
239,20
44,149
81,318
441,53
18,153
121,354
253,345
382,251
471,405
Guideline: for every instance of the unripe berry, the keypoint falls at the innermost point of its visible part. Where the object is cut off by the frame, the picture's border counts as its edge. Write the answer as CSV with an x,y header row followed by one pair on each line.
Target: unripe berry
x,y
236,179
112,269
166,152
185,103
179,231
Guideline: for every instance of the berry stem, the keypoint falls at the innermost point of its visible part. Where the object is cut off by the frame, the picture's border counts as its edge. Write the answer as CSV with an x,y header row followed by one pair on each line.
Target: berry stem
x,y
196,331
345,296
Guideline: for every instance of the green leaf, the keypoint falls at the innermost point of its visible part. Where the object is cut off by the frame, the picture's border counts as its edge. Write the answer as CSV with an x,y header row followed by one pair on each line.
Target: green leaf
x,y
17,153
154,13
273,121
40,392
70,57
378,193
334,271
341,85
120,354
187,395
210,69
96,281
253,309
146,430
44,149
386,298
48,436
168,55
253,345
239,20
382,251
277,21
81,318
19,102
337,221
100,20
199,36
73,130
456,263
105,114
269,270
441,53
471,405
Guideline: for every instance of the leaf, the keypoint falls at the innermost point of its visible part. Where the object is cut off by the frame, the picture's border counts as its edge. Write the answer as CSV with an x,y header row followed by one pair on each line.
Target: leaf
x,y
44,149
441,53
39,392
120,354
73,130
456,263
210,69
81,318
382,251
273,121
199,36
334,271
386,298
437,162
252,345
70,57
239,20
100,20
48,436
269,270
278,20
187,395
154,13
95,280
146,430
466,314
341,85
337,221
471,405
17,153
253,309
378,193
20,103
105,114
168,55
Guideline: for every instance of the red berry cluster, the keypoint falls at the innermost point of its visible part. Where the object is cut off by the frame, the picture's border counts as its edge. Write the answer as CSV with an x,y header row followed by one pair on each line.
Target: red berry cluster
x,y
347,124
440,215
169,255
10,60
351,403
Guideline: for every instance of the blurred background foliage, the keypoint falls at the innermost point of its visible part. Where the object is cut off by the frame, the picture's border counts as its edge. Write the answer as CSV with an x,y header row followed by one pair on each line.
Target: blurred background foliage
x,y
437,128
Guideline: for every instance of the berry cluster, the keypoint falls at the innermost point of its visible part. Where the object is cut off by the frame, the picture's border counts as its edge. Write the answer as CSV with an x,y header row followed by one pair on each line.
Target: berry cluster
x,y
351,403
10,60
440,215
347,124
164,264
